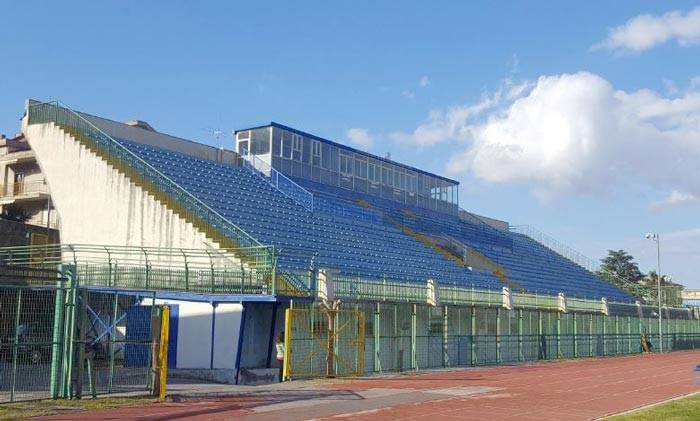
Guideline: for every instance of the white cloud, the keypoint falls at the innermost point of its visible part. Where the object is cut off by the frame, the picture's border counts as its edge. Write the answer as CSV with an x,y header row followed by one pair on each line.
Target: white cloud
x,y
424,81
514,64
408,94
360,137
572,133
646,31
680,198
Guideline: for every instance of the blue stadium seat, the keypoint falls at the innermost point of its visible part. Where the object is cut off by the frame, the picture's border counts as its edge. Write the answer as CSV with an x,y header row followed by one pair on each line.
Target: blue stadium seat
x,y
365,241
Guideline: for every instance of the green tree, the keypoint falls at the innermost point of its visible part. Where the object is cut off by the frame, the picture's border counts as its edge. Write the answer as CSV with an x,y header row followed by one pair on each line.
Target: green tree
x,y
620,267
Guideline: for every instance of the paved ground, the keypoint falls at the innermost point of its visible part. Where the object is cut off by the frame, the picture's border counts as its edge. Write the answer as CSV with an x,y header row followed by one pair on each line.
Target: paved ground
x,y
575,389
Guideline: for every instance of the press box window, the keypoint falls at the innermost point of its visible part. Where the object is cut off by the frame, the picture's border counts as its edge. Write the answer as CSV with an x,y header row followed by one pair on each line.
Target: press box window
x,y
296,147
316,153
345,165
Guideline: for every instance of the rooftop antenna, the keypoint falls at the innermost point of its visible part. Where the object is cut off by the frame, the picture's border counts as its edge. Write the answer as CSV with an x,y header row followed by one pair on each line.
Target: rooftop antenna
x,y
217,135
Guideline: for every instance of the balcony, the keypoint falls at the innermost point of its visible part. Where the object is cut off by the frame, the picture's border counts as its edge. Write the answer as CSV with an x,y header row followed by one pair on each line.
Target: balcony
x,y
17,156
23,191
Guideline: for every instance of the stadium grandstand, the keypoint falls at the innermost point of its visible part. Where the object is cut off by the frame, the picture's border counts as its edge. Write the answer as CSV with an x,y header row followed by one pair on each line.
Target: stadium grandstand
x,y
365,263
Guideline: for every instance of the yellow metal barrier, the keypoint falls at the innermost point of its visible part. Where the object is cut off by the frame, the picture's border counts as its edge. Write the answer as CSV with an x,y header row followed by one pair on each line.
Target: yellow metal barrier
x,y
163,351
324,343
286,369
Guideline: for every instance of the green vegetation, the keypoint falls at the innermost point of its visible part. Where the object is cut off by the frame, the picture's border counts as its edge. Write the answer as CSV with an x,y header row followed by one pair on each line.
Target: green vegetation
x,y
620,269
687,408
23,410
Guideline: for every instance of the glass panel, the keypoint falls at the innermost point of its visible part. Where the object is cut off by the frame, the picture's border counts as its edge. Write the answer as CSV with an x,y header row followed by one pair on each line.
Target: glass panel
x,y
307,150
243,148
276,142
260,141
346,164
296,147
286,144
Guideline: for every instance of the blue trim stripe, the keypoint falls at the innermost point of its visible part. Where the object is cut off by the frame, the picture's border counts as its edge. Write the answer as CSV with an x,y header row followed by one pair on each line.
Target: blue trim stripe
x,y
241,333
213,330
271,341
172,335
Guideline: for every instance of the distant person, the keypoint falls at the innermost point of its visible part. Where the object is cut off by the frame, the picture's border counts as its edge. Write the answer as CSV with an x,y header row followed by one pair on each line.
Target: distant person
x,y
280,353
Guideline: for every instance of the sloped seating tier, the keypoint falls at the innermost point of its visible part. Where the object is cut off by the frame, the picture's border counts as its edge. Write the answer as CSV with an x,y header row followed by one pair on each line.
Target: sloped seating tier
x,y
342,235
528,264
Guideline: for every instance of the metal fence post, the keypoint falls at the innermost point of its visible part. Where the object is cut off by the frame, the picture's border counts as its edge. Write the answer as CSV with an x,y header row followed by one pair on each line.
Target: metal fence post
x,y
16,345
590,335
542,354
445,356
112,336
573,316
559,334
472,342
414,360
377,362
629,334
56,346
668,331
604,336
521,357
69,337
78,385
617,334
498,335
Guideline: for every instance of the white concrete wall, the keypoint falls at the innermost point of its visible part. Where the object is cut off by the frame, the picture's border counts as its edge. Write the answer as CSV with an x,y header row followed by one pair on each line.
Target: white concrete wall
x,y
194,339
226,333
99,205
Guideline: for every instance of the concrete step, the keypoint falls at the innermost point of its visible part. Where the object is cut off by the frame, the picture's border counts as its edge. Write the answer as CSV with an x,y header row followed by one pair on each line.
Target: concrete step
x,y
247,376
258,376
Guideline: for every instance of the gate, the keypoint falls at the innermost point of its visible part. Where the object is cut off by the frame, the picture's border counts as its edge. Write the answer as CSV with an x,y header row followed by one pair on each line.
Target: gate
x,y
58,340
324,343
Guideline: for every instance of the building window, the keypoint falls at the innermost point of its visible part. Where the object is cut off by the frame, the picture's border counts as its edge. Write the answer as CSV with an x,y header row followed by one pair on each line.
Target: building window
x,y
316,153
345,164
296,147
360,168
243,148
373,173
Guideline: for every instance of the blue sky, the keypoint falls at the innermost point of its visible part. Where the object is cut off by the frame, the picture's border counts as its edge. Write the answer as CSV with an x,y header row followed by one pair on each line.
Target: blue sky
x,y
582,120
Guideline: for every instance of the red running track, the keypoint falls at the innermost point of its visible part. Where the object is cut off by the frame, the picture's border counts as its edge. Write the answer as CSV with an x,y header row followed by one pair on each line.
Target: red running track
x,y
571,390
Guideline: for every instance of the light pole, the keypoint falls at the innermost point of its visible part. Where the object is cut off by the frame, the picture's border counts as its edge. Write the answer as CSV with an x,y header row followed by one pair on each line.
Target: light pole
x,y
656,239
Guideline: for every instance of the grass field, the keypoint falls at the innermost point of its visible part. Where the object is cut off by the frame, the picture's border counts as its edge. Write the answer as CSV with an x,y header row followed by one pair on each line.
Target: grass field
x,y
687,408
24,410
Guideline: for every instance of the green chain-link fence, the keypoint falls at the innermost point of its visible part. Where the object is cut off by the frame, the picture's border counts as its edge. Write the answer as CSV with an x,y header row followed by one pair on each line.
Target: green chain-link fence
x,y
63,341
400,336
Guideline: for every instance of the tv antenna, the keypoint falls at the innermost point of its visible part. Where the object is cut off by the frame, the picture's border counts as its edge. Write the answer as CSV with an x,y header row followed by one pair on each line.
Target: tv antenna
x,y
216,132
